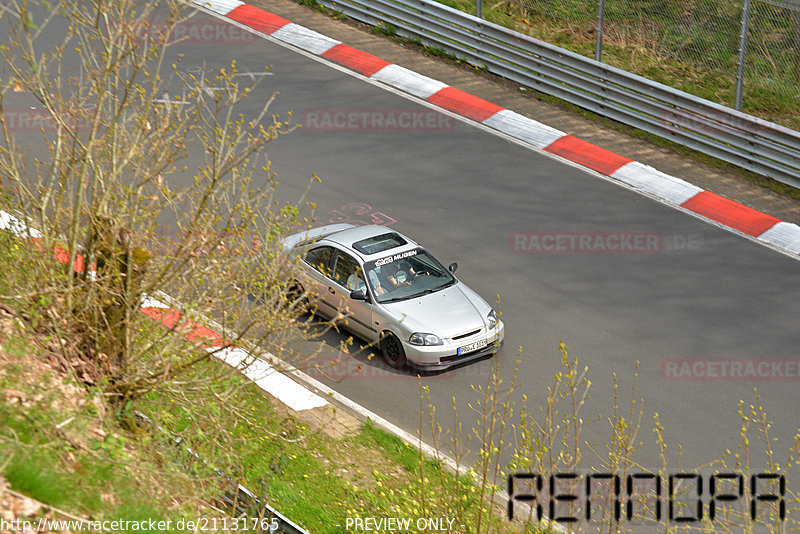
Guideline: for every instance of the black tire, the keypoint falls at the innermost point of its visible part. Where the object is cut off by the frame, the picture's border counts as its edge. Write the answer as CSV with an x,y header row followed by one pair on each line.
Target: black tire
x,y
392,351
295,298
294,292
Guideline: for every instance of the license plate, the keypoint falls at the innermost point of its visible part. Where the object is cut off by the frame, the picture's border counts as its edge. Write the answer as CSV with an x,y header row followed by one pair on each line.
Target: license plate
x,y
472,346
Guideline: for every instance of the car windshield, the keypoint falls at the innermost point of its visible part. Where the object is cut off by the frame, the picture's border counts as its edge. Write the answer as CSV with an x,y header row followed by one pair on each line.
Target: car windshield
x,y
406,275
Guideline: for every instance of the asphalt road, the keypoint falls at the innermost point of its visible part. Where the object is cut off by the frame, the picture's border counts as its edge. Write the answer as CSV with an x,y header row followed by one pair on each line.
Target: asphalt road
x,y
702,293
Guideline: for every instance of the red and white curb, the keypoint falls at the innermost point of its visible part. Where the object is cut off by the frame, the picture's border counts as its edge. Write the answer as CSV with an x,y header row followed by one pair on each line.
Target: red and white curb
x,y
256,368
271,378
264,369
768,230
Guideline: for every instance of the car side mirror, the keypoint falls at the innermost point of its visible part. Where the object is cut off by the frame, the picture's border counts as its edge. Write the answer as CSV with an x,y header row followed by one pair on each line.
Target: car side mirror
x,y
452,267
358,295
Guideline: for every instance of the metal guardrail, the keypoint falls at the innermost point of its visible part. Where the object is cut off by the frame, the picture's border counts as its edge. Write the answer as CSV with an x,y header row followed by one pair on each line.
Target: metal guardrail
x,y
238,498
732,136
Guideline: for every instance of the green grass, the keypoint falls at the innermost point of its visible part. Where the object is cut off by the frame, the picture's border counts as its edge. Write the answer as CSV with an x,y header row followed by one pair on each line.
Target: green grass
x,y
71,448
399,451
772,100
48,455
316,480
31,474
775,101
384,29
125,473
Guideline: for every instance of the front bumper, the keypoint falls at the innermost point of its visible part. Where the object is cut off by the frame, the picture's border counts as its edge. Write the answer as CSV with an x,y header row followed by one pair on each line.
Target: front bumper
x,y
440,357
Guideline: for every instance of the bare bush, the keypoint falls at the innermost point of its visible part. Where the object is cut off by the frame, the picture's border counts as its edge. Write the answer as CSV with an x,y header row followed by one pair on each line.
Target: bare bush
x,y
145,178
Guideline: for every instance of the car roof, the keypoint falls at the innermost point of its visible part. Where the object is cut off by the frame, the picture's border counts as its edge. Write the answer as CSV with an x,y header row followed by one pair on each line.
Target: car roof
x,y
348,237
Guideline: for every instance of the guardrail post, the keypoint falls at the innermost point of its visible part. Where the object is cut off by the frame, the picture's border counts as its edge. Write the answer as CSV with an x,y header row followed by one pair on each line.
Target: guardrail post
x,y
479,8
742,54
598,43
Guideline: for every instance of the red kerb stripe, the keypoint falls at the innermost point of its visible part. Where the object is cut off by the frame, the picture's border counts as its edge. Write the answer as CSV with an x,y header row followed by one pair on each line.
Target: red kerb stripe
x,y
464,104
587,154
258,19
170,317
745,219
359,61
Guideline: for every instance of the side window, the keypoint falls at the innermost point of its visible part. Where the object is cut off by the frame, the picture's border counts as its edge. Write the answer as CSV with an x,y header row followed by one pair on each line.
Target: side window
x,y
320,259
348,273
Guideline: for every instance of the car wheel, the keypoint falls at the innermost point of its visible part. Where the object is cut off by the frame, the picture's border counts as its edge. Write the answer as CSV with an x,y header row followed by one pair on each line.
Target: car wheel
x,y
393,351
295,299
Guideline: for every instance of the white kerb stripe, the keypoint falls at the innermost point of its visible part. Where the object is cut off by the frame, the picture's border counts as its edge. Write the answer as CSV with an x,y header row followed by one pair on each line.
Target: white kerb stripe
x,y
150,302
9,222
783,235
528,130
17,227
653,181
271,380
302,37
223,7
408,81
263,374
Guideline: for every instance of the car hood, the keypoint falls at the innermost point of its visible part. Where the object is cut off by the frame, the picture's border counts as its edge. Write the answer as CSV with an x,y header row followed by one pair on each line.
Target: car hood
x,y
450,312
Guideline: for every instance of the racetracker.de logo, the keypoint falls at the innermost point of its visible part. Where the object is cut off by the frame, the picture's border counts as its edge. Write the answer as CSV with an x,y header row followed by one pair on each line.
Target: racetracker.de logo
x,y
587,242
37,120
375,120
213,31
691,369
356,364
210,32
711,122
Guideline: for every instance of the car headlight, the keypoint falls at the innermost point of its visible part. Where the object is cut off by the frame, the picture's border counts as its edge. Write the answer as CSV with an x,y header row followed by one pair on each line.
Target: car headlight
x,y
424,339
491,319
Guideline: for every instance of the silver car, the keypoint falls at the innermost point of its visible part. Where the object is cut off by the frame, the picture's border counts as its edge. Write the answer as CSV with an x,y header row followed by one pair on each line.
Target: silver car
x,y
385,288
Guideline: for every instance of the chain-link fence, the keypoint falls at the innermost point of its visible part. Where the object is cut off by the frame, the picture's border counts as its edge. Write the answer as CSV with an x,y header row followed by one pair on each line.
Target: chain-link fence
x,y
716,45
773,49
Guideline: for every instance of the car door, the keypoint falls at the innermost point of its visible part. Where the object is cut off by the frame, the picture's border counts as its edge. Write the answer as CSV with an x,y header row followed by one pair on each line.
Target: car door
x,y
320,260
348,276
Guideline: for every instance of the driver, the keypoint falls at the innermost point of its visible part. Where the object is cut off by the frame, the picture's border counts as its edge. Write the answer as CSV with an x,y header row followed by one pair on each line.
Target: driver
x,y
389,277
401,274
